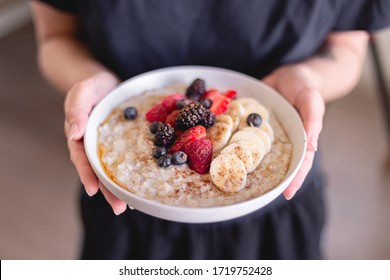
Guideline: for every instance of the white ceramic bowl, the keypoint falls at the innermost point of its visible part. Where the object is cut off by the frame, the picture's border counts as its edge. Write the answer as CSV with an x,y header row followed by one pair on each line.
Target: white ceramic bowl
x,y
215,78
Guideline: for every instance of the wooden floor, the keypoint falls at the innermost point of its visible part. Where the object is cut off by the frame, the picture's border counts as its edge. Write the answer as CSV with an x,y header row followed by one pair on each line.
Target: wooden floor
x,y
39,216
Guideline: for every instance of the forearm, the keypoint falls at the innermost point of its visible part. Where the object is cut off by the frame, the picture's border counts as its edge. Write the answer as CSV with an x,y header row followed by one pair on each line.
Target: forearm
x,y
337,67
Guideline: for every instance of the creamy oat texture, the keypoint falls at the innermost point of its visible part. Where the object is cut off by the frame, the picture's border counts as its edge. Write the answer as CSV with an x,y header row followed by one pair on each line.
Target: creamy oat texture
x,y
125,149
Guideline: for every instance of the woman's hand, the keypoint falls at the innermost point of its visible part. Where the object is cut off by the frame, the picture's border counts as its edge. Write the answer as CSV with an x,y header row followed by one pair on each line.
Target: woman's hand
x,y
297,84
79,102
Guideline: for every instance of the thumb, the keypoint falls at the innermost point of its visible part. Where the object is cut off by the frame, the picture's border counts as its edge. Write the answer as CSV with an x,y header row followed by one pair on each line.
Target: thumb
x,y
76,122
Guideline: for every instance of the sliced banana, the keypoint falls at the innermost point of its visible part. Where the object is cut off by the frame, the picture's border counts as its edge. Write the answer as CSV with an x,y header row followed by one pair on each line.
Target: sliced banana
x,y
242,135
242,152
266,127
219,135
261,134
257,149
223,118
228,173
235,111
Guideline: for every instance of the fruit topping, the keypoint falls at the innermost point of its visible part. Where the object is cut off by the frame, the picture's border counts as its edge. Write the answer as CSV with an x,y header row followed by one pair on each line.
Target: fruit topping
x,y
165,136
171,118
170,101
220,102
206,103
232,94
155,126
254,120
165,161
200,153
190,135
159,151
130,113
180,104
208,119
179,158
196,89
157,113
190,116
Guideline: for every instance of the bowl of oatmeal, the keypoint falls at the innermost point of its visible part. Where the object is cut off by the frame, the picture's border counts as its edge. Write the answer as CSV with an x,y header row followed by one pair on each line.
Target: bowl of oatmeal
x,y
242,175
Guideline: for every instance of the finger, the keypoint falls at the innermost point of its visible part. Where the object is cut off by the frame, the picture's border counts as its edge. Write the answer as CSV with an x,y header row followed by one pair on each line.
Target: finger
x,y
301,175
270,80
117,205
311,108
84,169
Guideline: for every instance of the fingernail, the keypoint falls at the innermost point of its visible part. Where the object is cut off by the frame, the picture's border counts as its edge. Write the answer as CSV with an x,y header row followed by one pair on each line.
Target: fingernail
x,y
90,193
73,131
313,144
120,210
289,196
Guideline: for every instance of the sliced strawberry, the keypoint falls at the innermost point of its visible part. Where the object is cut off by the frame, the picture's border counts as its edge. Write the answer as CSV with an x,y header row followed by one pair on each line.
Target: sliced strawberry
x,y
220,104
200,154
171,118
190,135
158,113
169,102
232,94
212,94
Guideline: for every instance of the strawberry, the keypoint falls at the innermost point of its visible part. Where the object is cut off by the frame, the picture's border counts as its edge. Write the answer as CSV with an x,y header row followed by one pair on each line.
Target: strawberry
x,y
220,104
232,94
157,113
169,102
200,154
212,94
171,118
190,135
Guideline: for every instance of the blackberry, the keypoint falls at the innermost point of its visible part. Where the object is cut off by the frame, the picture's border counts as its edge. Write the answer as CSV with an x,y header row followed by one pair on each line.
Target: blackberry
x,y
130,113
254,120
155,126
159,151
165,136
190,116
208,119
165,161
207,102
179,158
196,89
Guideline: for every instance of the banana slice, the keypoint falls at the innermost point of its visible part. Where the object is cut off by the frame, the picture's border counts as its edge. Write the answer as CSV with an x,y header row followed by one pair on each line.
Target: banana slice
x,y
251,106
219,134
235,111
242,135
228,173
257,149
242,152
266,127
261,134
223,118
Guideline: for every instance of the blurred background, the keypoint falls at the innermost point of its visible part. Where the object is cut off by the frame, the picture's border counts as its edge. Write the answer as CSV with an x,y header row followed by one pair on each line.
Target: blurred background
x,y
39,189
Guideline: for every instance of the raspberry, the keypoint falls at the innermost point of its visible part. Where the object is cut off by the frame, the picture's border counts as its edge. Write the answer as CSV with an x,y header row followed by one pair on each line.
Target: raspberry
x,y
200,154
196,89
190,135
158,113
165,136
190,116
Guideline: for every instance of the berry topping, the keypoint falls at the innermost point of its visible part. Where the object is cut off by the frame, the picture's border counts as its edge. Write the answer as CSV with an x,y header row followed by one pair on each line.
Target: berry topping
x,y
130,113
200,153
179,158
206,103
254,120
170,101
190,116
208,119
171,118
155,126
159,151
165,161
180,104
196,89
220,102
190,135
157,113
232,94
164,136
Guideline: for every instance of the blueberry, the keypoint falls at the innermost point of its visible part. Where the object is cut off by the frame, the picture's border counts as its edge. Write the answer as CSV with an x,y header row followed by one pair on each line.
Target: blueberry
x,y
165,161
130,113
179,158
254,120
159,151
155,126
182,103
207,102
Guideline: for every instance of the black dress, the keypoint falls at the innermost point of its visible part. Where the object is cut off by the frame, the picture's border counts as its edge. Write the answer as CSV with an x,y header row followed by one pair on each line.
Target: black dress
x,y
253,37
